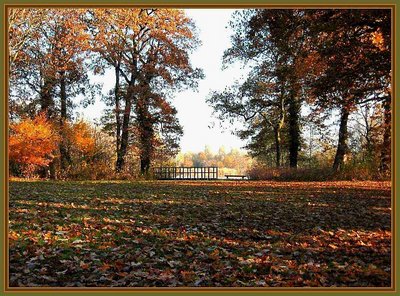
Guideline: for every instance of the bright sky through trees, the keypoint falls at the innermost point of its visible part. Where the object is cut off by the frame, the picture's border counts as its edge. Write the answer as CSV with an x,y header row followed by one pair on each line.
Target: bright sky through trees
x,y
200,127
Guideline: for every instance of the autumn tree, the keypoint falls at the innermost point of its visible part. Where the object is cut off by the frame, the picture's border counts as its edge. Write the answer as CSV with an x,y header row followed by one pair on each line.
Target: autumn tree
x,y
283,29
53,65
329,59
82,138
32,143
108,40
150,53
260,106
22,27
270,40
68,41
26,64
355,47
366,137
91,153
158,129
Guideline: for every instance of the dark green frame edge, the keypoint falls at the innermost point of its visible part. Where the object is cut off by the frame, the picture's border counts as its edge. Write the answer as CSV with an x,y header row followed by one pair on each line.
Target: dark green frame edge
x,y
200,4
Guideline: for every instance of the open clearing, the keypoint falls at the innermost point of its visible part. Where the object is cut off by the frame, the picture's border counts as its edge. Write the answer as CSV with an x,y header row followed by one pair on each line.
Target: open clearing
x,y
192,233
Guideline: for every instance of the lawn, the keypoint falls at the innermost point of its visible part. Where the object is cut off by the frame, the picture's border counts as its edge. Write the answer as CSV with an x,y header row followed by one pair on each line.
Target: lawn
x,y
193,233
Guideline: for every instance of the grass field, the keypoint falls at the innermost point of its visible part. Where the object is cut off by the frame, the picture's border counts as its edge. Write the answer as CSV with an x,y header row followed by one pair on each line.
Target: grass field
x,y
192,233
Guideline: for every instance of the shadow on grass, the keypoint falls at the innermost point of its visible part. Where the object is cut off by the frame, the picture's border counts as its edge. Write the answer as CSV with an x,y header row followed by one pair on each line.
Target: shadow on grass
x,y
184,234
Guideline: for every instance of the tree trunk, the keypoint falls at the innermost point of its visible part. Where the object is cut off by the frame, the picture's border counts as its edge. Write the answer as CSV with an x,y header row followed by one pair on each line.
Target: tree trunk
x,y
46,100
52,170
342,141
146,135
145,162
125,130
277,131
65,158
277,147
117,106
47,106
294,131
63,95
385,165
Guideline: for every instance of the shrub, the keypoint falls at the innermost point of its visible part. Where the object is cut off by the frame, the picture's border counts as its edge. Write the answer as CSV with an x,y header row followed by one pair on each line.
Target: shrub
x,y
32,144
350,172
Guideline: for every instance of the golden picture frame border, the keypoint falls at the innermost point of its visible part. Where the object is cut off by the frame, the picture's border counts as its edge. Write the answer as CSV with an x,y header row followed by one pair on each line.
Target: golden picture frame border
x,y
203,4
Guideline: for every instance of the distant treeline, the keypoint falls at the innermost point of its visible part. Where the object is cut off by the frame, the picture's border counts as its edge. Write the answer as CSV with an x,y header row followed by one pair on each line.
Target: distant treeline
x,y
234,161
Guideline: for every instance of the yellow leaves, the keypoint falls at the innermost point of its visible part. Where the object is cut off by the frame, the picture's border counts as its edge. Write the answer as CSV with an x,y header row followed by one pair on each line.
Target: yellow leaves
x,y
361,243
60,228
47,236
105,245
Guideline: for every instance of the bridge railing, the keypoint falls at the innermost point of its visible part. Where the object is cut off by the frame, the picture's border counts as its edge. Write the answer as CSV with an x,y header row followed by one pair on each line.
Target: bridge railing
x,y
185,173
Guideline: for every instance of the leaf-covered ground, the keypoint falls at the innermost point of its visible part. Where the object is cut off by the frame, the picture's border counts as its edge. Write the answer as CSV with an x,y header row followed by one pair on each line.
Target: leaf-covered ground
x,y
191,233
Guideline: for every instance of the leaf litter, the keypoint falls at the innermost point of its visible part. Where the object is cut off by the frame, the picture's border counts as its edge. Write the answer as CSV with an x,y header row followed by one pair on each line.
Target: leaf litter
x,y
187,233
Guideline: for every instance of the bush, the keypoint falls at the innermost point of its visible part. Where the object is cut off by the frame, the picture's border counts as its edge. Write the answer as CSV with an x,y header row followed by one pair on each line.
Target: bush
x,y
361,171
354,172
32,143
290,174
96,171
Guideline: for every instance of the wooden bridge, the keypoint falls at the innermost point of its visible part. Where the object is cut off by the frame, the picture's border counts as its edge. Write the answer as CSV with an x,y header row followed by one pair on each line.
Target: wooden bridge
x,y
185,173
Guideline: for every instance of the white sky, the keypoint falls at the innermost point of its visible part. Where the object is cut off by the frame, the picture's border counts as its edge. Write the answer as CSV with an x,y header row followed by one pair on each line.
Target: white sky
x,y
193,112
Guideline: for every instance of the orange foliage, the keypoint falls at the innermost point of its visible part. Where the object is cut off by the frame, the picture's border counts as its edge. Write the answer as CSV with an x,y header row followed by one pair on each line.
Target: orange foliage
x,y
82,138
155,33
23,26
378,40
32,141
